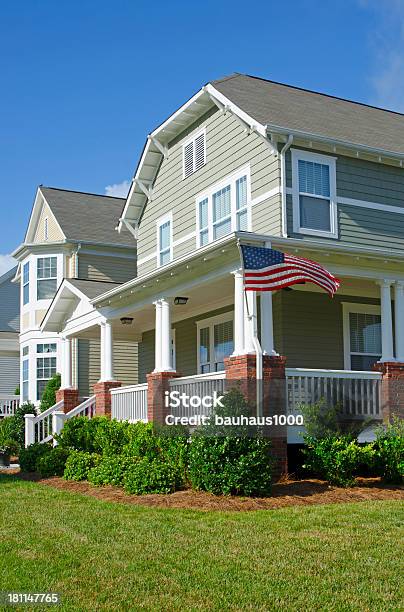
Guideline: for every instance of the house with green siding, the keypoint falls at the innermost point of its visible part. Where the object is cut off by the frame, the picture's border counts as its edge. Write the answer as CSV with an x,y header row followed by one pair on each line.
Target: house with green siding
x,y
248,161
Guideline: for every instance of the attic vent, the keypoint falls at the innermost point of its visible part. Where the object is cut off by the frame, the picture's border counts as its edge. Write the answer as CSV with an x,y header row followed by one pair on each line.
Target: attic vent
x,y
194,154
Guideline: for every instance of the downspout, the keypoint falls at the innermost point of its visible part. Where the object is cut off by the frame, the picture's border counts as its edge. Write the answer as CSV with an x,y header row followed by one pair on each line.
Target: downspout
x,y
282,154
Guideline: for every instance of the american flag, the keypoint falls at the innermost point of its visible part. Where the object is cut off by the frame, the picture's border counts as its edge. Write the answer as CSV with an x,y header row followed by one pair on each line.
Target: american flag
x,y
269,270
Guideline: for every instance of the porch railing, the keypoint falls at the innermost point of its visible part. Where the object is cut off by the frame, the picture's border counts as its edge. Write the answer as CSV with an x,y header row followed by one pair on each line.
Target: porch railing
x,y
129,403
8,405
198,386
358,393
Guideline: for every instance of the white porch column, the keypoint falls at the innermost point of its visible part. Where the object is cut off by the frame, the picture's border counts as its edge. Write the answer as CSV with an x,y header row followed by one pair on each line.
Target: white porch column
x,y
399,319
66,381
108,352
387,321
267,326
157,344
238,313
165,336
102,352
250,323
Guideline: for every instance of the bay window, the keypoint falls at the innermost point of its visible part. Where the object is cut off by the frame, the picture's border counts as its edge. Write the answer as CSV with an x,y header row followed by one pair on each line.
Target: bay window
x,y
45,366
314,194
46,277
25,283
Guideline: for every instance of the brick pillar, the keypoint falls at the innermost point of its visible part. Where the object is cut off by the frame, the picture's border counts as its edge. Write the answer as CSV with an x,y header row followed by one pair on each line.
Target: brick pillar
x,y
103,396
70,398
241,373
157,384
392,389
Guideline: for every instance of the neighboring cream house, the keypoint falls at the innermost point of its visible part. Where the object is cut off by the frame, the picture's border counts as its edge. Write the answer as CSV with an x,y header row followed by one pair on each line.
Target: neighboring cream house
x,y
9,329
70,235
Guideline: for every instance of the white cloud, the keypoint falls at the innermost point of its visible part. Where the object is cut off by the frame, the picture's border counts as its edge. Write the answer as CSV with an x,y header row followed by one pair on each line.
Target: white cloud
x,y
118,190
387,43
6,263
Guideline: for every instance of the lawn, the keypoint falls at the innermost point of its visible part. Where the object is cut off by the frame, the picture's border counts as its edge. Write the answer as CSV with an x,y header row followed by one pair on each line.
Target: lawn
x,y
109,556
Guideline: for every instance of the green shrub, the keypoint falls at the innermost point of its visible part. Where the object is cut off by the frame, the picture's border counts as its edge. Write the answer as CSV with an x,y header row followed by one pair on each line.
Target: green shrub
x,y
110,470
150,476
17,390
28,456
323,421
389,451
49,394
337,458
111,436
8,444
142,441
17,422
79,463
227,460
79,433
52,463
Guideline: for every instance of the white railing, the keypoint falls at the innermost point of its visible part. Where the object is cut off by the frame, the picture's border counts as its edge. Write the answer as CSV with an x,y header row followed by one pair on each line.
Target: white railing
x,y
86,408
38,428
129,403
358,393
201,385
8,405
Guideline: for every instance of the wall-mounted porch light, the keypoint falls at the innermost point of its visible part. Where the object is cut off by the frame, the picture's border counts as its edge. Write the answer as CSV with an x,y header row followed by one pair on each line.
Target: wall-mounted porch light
x,y
126,320
180,301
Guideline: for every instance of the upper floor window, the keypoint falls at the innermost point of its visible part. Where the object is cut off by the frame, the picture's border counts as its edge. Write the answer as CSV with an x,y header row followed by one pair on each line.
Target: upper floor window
x,y
25,283
314,194
46,348
164,239
215,342
46,277
224,208
194,154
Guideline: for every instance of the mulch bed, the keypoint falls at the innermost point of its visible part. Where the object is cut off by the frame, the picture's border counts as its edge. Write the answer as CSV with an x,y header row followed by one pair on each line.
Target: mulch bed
x,y
288,493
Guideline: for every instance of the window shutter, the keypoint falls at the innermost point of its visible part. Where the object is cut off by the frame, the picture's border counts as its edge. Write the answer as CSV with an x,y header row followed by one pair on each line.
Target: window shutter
x,y
199,151
188,159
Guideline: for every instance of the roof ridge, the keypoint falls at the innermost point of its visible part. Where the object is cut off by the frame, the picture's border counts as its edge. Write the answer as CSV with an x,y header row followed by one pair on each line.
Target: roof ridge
x,y
230,76
319,93
97,195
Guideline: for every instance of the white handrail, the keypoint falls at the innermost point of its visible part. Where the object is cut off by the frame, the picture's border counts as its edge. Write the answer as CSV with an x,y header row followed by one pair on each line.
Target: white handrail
x,y
42,415
86,408
128,389
199,377
318,373
9,404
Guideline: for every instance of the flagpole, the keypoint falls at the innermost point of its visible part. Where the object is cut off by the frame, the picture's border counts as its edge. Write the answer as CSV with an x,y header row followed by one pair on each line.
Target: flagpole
x,y
256,343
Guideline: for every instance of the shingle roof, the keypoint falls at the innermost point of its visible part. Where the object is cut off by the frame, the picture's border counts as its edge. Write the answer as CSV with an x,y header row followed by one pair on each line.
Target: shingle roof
x,y
9,303
90,288
282,105
88,217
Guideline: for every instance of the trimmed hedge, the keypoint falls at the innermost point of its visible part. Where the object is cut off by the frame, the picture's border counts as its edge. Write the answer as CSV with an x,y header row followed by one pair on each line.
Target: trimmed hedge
x,y
150,476
79,464
52,463
29,456
110,470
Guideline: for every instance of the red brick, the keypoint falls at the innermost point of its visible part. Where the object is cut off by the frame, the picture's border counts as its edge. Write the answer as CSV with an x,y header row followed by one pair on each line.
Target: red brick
x,y
103,396
70,398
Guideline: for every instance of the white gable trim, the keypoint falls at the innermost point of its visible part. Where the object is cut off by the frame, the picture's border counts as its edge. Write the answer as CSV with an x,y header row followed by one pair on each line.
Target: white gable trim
x,y
35,216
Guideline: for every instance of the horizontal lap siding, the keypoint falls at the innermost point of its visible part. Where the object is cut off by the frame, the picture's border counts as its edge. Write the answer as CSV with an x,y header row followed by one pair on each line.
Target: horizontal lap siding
x,y
54,232
109,269
228,148
370,182
9,374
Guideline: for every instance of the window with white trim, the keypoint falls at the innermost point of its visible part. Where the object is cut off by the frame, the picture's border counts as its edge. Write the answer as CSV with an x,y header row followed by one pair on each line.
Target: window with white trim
x,y
225,208
164,240
362,336
46,277
215,342
45,366
25,376
194,154
25,283
314,194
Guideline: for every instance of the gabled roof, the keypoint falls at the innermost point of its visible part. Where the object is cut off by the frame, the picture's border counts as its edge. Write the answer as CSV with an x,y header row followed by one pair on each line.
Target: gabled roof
x,y
9,303
267,107
91,288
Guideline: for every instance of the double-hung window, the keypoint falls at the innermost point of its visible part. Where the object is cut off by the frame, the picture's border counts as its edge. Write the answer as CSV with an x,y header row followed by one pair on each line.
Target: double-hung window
x,y
164,240
45,366
215,342
25,283
362,336
25,374
224,208
314,194
46,277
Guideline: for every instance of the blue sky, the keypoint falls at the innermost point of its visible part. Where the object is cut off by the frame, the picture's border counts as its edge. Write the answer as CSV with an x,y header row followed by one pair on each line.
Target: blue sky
x,y
83,82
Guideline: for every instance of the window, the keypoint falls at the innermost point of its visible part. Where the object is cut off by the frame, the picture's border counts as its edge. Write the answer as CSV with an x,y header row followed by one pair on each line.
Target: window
x,y
45,366
194,154
215,342
362,336
46,277
314,194
224,209
164,240
25,283
25,351
25,379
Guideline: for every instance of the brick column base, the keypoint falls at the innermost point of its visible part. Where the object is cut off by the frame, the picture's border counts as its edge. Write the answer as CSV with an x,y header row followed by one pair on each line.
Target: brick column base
x,y
70,398
241,373
157,384
103,396
392,389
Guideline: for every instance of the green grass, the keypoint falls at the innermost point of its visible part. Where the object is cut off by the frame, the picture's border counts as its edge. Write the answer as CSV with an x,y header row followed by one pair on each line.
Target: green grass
x,y
110,556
